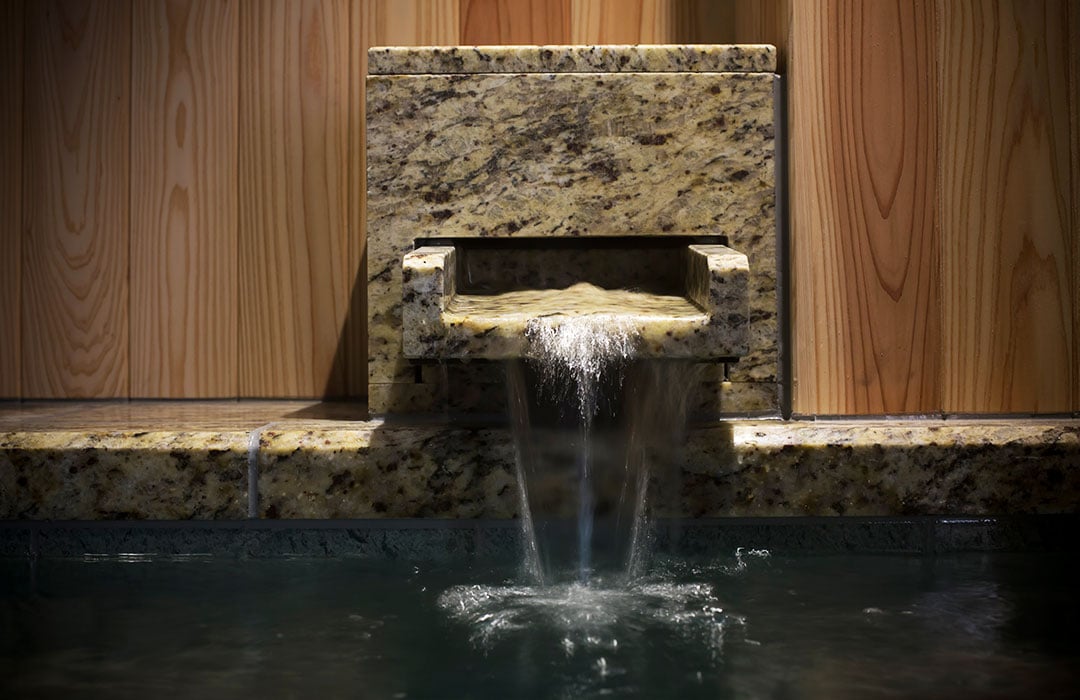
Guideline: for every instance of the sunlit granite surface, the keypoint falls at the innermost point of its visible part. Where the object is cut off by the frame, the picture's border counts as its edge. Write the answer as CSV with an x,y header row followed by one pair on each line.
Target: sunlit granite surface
x,y
230,460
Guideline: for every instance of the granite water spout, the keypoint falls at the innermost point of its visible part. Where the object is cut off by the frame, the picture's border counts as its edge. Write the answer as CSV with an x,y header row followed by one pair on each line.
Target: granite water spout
x,y
708,318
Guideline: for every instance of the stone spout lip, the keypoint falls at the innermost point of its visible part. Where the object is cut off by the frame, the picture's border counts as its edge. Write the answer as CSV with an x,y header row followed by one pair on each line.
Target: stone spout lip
x,y
710,321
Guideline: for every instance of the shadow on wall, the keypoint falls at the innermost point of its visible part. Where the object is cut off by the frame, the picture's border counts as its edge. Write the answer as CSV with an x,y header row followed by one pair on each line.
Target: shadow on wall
x,y
350,355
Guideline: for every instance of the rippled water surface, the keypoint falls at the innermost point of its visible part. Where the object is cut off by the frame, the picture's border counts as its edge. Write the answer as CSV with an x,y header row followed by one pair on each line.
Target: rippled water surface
x,y
743,625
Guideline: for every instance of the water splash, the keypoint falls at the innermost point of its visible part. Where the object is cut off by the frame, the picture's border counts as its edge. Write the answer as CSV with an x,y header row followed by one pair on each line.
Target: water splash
x,y
574,352
591,618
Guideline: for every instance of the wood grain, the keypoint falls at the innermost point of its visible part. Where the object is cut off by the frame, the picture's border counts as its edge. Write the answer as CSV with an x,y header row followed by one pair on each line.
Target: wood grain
x,y
74,287
485,22
1008,219
11,86
294,216
1073,26
354,345
704,22
378,23
936,212
623,21
765,22
865,267
183,199
412,22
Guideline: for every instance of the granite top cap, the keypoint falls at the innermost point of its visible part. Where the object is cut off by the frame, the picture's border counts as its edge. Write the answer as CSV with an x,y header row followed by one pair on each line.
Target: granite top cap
x,y
638,58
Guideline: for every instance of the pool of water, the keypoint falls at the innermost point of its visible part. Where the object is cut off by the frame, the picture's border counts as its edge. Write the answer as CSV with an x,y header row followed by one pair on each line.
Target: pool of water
x,y
742,625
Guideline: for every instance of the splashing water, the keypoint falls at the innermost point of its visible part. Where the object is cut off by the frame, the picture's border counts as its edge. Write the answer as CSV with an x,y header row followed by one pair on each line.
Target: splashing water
x,y
598,634
576,351
590,617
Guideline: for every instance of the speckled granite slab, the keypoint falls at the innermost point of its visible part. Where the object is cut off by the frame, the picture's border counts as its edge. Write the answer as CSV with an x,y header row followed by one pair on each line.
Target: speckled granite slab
x,y
311,462
745,468
123,474
530,155
657,58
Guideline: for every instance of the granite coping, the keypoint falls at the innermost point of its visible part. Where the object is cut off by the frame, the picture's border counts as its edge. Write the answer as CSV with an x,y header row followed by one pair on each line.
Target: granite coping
x,y
640,58
300,464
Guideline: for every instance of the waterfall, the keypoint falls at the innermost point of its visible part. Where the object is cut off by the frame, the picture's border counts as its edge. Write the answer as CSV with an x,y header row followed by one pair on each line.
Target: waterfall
x,y
591,424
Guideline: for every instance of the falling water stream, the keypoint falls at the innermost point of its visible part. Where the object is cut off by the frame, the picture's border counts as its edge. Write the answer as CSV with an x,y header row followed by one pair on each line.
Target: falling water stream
x,y
597,434
573,354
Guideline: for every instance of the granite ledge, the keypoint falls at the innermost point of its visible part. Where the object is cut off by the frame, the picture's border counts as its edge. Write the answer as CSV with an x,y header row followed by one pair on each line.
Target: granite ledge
x,y
657,58
323,469
123,475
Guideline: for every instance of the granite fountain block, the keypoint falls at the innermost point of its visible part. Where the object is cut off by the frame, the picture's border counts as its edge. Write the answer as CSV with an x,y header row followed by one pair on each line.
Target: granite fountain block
x,y
749,468
755,58
589,144
523,176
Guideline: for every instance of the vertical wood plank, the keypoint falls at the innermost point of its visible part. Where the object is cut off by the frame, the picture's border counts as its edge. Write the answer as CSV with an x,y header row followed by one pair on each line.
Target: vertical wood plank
x,y
293,200
1073,26
379,23
1008,222
488,22
623,21
864,235
11,86
74,287
412,22
183,199
704,22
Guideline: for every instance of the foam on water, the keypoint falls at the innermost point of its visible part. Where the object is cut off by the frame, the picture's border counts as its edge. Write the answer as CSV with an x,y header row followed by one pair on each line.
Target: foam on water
x,y
590,617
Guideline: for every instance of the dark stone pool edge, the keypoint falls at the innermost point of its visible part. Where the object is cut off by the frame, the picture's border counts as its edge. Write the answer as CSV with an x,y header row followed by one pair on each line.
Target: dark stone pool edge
x,y
498,540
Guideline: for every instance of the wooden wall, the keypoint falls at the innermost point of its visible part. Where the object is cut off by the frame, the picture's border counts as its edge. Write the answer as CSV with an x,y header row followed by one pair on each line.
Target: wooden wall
x,y
935,215
181,207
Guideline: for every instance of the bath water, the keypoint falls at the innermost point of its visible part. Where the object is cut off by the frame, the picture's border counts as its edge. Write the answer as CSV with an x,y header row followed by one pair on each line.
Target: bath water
x,y
729,626
597,434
